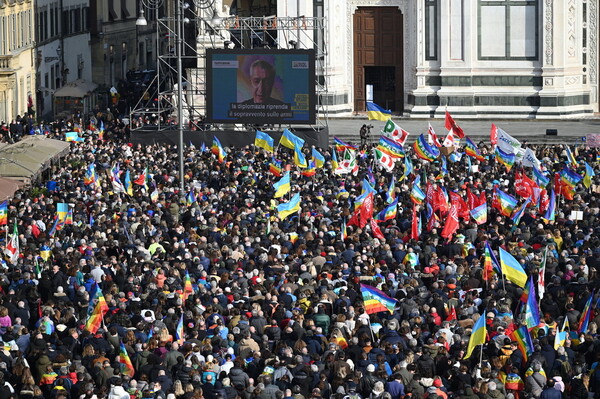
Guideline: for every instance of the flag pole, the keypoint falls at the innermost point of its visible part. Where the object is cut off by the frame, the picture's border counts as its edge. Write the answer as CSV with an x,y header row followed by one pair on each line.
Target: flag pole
x,y
371,330
480,355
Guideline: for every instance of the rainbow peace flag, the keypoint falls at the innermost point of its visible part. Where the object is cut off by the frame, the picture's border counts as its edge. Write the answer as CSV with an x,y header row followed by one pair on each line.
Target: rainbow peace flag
x,y
532,311
551,211
490,263
472,150
516,218
505,202
569,177
275,167
4,213
90,175
218,149
480,213
541,179
341,145
585,316
424,150
391,191
389,212
125,362
390,147
376,300
188,289
524,342
179,332
311,170
416,194
99,310
506,159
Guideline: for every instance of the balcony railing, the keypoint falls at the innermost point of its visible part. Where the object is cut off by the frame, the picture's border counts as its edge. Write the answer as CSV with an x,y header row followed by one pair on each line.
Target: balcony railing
x,y
5,63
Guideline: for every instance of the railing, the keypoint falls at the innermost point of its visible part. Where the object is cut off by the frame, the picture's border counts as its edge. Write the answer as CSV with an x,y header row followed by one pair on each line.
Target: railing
x,y
5,62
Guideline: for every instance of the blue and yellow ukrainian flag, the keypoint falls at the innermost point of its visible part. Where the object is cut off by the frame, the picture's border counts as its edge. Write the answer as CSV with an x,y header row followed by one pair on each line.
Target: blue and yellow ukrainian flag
x,y
62,208
283,186
287,208
377,112
318,158
264,141
478,334
512,269
290,140
128,184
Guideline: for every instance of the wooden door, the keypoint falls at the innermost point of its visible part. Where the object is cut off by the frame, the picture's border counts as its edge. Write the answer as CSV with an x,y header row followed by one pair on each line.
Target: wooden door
x,y
378,42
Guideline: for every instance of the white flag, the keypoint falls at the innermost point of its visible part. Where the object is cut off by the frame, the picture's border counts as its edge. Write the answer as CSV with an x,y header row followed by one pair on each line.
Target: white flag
x,y
395,132
12,247
432,138
385,161
449,140
529,159
508,143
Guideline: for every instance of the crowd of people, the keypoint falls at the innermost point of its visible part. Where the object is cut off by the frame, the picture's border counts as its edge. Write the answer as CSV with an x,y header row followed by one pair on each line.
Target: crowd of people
x,y
276,309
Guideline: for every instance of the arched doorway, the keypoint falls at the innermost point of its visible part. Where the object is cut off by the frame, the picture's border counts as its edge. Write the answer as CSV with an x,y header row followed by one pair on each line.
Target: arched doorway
x,y
378,57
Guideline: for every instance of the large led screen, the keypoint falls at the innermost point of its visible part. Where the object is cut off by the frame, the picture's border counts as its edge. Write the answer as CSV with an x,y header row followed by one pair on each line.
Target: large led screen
x,y
260,86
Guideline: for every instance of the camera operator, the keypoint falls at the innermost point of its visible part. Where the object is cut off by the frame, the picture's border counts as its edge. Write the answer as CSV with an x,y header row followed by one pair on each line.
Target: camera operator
x,y
365,132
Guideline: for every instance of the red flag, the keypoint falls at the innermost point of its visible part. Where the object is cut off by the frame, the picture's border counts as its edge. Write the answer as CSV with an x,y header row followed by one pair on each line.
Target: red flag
x,y
461,206
482,198
140,181
366,210
494,135
544,200
433,138
431,222
354,219
451,223
35,230
439,201
429,193
376,230
451,125
472,199
452,314
524,185
414,228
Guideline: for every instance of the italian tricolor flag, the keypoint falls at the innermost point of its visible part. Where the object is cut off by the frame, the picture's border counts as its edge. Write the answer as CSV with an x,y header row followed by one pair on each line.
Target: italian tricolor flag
x,y
12,248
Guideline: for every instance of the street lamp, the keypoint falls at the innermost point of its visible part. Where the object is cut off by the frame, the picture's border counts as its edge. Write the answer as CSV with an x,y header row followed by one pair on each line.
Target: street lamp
x,y
141,21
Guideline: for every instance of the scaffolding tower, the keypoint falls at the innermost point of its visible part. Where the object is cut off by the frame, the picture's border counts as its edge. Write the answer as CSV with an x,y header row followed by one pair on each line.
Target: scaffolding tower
x,y
196,30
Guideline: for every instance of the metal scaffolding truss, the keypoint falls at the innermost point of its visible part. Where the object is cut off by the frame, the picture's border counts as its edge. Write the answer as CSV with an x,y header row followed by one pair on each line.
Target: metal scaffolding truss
x,y
199,34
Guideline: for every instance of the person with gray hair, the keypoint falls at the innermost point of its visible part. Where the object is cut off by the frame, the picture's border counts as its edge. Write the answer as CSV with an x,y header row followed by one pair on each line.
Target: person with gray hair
x,y
534,384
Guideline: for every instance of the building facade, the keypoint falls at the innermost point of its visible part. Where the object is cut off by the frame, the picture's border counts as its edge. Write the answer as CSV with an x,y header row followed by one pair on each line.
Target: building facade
x,y
17,61
62,48
114,40
476,58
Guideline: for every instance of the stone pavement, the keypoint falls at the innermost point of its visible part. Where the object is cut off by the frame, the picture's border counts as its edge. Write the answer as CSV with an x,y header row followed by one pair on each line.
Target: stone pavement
x,y
532,131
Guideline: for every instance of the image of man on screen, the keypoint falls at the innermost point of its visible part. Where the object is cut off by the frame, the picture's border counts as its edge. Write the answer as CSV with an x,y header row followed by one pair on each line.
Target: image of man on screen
x,y
262,79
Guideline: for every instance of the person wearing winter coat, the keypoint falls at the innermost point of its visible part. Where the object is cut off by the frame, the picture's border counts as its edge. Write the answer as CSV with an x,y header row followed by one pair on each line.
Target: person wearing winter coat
x,y
117,391
536,382
551,392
